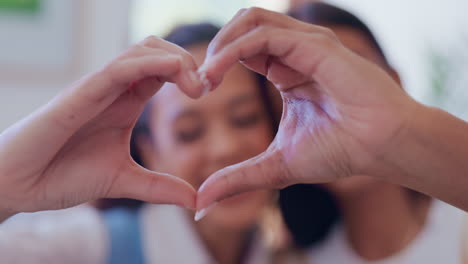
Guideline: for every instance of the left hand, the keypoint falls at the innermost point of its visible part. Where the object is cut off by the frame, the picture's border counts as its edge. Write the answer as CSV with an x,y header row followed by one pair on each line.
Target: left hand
x,y
77,148
340,111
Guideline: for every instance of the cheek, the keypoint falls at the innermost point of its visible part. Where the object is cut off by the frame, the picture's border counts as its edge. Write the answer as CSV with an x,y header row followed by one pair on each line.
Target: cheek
x,y
182,160
258,138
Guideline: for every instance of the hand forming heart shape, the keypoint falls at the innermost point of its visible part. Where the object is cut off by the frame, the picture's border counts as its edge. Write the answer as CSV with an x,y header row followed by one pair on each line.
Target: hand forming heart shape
x,y
76,148
325,132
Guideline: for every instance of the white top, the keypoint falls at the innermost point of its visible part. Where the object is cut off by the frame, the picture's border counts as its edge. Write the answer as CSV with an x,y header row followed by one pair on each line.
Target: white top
x,y
72,236
78,235
438,243
181,243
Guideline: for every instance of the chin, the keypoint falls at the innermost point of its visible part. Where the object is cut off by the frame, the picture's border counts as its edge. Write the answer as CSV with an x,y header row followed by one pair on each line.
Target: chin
x,y
239,212
234,219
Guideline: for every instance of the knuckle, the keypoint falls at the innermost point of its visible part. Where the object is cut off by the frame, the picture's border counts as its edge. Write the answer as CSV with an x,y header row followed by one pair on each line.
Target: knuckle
x,y
325,41
111,68
135,50
185,57
264,29
255,15
179,60
254,11
327,31
328,34
150,41
241,11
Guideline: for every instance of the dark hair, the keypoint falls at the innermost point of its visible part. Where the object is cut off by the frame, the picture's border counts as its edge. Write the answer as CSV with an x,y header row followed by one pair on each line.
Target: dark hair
x,y
186,35
329,15
309,211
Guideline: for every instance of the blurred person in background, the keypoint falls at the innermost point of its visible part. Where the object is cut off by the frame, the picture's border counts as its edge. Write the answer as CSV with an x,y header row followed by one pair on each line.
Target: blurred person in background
x,y
297,3
121,218
377,222
194,138
184,137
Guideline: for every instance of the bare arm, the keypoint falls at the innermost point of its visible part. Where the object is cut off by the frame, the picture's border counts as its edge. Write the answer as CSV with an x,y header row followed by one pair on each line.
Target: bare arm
x,y
430,156
342,116
75,149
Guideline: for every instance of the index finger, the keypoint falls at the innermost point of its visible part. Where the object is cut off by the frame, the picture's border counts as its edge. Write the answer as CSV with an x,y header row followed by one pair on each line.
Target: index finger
x,y
247,20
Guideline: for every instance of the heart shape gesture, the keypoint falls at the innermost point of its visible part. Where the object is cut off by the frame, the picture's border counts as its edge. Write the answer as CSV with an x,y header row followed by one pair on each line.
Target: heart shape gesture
x,y
76,148
342,116
333,124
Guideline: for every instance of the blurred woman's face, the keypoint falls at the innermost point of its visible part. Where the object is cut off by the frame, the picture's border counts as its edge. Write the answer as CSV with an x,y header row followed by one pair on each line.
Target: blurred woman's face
x,y
357,42
195,138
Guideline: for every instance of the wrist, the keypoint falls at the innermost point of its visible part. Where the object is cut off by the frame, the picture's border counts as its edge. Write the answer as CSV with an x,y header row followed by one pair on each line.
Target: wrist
x,y
407,156
408,119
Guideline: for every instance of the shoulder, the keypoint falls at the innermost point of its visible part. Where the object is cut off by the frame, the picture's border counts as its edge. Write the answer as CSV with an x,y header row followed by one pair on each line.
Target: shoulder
x,y
54,237
444,223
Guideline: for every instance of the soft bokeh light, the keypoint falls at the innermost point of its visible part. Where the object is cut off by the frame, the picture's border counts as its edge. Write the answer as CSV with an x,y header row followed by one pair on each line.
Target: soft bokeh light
x,y
157,17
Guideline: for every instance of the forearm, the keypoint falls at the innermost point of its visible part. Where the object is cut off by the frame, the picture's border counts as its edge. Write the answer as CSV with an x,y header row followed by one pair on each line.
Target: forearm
x,y
431,156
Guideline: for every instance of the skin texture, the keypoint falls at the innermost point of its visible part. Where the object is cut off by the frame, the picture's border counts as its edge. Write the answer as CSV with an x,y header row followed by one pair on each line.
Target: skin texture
x,y
368,205
326,132
76,148
194,138
342,116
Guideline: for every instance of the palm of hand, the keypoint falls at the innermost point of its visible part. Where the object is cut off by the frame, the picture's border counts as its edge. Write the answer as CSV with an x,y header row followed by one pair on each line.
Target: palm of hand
x,y
326,132
91,161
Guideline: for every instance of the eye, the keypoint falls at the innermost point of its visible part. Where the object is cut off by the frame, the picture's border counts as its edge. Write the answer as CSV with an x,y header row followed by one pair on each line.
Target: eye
x,y
186,136
246,120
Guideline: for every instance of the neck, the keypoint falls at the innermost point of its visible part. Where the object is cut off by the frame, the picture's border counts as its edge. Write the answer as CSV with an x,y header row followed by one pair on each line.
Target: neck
x,y
226,246
382,223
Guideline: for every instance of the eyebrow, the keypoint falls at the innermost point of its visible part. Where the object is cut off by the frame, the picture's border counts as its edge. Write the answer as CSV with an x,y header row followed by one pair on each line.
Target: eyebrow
x,y
188,113
240,100
192,113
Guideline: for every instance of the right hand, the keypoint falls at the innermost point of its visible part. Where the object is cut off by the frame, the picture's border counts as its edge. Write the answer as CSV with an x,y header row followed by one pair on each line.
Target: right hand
x,y
76,148
340,111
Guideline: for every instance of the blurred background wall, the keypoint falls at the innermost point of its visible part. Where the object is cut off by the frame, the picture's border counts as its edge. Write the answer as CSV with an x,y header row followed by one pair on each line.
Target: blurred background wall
x,y
47,44
80,36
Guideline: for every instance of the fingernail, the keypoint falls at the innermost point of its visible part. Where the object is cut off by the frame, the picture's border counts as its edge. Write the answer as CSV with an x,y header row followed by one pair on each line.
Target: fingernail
x,y
194,77
206,90
207,86
203,212
203,67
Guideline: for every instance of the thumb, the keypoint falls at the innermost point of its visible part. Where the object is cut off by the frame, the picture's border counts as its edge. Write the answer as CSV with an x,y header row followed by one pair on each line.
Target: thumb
x,y
266,171
159,188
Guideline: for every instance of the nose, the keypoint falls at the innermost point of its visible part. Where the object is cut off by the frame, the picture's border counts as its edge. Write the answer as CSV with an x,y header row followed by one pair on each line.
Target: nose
x,y
225,146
